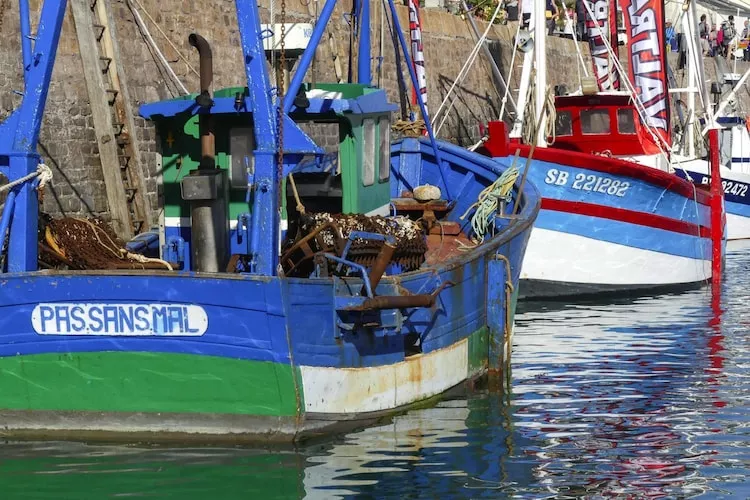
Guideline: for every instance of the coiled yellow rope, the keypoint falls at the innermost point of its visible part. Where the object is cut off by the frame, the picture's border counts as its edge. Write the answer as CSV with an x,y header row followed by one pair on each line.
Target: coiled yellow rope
x,y
487,203
409,129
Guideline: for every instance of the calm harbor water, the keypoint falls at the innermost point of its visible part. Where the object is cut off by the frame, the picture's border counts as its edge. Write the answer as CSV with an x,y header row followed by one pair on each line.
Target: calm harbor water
x,y
644,398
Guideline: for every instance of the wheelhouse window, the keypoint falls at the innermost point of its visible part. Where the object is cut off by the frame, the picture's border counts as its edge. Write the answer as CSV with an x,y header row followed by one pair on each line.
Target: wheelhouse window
x,y
625,121
241,147
384,131
595,121
368,152
564,124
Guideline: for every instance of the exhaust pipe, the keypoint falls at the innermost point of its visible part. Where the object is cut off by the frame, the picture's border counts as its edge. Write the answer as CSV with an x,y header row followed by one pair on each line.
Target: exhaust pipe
x,y
205,187
204,100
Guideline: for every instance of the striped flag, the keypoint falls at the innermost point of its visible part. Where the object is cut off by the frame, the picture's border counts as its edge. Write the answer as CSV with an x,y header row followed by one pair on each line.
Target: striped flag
x,y
417,52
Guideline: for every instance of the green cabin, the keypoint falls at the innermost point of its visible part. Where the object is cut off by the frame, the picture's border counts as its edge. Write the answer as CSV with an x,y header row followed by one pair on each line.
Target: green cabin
x,y
353,179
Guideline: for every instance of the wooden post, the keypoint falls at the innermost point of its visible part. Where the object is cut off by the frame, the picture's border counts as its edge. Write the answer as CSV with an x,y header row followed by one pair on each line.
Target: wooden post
x,y
124,112
101,114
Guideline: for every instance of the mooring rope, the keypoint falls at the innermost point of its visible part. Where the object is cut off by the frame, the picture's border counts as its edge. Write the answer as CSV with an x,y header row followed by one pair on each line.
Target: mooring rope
x,y
42,171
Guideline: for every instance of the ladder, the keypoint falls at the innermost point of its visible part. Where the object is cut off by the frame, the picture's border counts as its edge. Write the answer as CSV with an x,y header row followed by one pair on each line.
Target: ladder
x,y
113,118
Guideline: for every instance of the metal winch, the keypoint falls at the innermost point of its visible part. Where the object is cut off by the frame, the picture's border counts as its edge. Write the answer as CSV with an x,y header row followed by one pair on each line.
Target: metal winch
x,y
325,232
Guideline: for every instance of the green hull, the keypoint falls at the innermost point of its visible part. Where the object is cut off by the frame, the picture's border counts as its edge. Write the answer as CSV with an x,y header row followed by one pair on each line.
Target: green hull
x,y
164,397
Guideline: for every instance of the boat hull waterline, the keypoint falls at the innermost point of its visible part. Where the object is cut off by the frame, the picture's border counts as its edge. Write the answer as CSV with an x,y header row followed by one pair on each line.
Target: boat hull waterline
x,y
611,226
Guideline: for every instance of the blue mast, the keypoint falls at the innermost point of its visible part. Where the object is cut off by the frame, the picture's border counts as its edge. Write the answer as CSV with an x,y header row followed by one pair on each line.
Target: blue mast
x,y
19,133
25,34
309,54
266,209
364,75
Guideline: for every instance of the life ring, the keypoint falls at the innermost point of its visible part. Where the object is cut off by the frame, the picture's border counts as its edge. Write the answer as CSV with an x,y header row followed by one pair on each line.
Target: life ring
x,y
747,123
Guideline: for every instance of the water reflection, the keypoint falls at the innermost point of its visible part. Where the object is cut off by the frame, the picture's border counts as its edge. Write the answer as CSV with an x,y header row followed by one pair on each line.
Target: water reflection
x,y
640,398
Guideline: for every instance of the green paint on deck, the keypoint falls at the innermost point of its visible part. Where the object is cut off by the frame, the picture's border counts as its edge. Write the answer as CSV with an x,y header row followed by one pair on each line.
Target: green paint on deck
x,y
147,382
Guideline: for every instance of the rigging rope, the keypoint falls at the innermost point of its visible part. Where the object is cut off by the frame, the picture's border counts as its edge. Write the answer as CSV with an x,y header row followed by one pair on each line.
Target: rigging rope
x,y
507,95
166,38
630,88
300,206
466,67
530,116
150,40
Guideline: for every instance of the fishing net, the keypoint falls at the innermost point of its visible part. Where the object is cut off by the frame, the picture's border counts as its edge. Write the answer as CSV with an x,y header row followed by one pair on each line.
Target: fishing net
x,y
86,244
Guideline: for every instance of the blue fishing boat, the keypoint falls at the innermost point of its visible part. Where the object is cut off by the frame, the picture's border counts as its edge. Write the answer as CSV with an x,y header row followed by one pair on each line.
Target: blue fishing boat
x,y
291,292
615,218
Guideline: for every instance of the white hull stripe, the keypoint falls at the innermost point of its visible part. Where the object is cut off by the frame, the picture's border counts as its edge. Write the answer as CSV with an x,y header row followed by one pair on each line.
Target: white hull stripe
x,y
358,390
569,258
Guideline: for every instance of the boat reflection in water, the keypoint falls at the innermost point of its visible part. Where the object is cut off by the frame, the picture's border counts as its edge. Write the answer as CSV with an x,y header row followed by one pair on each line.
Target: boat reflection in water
x,y
621,398
615,399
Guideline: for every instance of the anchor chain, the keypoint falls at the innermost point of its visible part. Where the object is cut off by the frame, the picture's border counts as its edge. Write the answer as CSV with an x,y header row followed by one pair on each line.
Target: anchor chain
x,y
280,109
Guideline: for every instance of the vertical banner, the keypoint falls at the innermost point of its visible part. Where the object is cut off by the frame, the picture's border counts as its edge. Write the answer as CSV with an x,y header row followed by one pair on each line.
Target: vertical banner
x,y
613,41
646,51
597,29
417,52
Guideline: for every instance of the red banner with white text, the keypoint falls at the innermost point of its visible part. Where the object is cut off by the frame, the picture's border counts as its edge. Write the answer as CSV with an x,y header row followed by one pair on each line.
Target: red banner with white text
x,y
598,29
613,38
646,51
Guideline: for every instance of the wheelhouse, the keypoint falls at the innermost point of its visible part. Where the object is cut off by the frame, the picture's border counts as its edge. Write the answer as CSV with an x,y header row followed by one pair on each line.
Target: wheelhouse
x,y
601,124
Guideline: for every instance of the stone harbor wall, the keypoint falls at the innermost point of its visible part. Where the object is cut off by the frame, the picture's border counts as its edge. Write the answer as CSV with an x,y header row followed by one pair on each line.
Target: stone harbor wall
x,y
68,141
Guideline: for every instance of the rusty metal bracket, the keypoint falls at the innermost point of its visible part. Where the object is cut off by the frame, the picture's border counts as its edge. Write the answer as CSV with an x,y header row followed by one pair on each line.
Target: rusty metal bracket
x,y
382,302
509,289
355,266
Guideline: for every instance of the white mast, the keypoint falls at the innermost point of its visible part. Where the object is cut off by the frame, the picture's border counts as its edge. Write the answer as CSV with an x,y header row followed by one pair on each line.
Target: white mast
x,y
687,28
523,91
536,57
540,51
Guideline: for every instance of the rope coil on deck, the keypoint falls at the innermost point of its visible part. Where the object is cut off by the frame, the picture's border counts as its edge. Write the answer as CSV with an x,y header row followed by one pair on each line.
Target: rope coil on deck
x,y
487,204
409,129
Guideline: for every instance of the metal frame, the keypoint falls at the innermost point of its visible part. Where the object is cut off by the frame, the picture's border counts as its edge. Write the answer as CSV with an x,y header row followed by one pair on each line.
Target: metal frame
x,y
19,133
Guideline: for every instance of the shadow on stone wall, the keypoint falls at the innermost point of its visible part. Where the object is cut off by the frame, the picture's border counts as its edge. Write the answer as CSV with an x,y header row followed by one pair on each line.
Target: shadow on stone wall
x,y
469,110
62,193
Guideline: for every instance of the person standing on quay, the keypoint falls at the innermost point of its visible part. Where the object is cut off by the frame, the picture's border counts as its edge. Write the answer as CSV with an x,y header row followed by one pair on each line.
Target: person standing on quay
x,y
703,32
526,9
